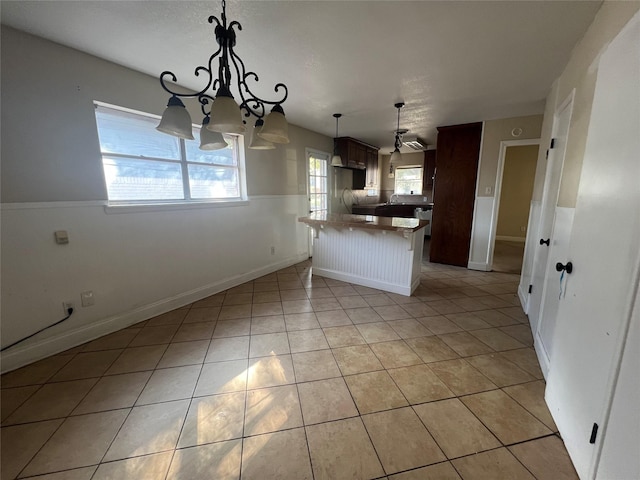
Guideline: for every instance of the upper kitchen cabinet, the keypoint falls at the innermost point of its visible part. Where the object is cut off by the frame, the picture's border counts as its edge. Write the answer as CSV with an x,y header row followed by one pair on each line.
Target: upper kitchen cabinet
x,y
458,151
372,168
354,153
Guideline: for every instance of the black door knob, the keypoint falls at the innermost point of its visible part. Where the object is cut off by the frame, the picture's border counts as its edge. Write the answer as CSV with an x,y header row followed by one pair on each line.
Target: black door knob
x,y
545,242
567,268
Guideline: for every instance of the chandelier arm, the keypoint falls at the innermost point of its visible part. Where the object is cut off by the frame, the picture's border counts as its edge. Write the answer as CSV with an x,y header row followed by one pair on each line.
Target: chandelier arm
x,y
211,83
205,100
250,101
212,19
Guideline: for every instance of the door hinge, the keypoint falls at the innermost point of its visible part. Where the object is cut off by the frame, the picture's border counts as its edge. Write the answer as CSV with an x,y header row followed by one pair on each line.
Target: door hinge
x,y
553,143
594,434
530,288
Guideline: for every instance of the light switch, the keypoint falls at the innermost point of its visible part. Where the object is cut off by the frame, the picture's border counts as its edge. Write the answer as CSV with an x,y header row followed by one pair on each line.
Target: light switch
x,y
487,191
62,237
87,298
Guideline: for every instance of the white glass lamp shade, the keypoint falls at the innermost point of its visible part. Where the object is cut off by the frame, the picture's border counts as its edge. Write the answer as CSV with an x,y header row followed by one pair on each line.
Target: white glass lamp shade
x,y
275,128
225,116
336,161
396,156
211,140
258,143
176,120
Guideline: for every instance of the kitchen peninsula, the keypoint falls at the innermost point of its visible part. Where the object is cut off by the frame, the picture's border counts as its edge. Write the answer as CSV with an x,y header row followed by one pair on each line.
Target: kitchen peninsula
x,y
378,252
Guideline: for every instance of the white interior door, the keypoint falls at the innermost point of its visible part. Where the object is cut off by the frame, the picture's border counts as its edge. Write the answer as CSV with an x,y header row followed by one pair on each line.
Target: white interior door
x,y
554,285
594,316
555,162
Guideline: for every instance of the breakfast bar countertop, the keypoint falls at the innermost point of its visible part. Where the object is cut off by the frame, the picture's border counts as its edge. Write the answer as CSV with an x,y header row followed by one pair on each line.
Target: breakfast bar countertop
x,y
396,224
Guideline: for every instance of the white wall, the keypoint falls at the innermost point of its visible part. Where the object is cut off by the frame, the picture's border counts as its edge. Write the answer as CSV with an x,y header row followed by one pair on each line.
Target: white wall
x,y
619,458
621,436
138,263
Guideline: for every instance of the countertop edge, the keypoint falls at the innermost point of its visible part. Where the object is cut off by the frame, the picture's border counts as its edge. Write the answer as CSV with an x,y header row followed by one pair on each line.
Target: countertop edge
x,y
364,225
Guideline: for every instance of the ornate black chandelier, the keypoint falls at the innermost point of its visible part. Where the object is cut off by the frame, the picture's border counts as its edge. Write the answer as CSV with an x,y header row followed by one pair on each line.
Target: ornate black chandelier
x,y
222,114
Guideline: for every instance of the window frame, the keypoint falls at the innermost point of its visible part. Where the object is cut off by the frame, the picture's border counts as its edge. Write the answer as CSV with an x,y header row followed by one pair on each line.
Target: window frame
x,y
117,206
326,158
407,167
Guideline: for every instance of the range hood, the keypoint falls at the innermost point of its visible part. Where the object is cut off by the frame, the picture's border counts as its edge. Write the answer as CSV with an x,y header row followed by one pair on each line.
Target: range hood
x,y
415,143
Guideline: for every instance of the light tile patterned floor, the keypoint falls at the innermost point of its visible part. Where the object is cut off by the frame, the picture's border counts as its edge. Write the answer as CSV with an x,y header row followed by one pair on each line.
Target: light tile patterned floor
x,y
297,377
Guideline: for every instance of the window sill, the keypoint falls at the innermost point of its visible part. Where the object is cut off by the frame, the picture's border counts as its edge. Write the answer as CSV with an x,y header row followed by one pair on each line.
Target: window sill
x,y
115,208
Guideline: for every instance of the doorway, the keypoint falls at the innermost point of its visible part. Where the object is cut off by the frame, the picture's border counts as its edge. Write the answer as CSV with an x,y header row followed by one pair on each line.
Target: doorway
x,y
317,186
514,189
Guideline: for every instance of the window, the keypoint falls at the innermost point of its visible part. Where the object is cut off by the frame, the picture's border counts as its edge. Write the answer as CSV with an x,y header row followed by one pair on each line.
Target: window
x,y
143,165
317,181
408,180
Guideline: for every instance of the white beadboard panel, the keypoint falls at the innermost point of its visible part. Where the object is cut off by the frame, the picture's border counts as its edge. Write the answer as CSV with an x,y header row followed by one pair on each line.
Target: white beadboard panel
x,y
481,233
138,265
377,259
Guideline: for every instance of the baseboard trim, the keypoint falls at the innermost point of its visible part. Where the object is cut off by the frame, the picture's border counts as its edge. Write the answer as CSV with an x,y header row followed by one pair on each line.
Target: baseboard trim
x,y
481,266
367,282
32,352
542,356
524,296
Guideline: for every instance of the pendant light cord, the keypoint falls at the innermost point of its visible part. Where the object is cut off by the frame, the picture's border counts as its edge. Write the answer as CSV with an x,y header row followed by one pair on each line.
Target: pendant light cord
x,y
335,140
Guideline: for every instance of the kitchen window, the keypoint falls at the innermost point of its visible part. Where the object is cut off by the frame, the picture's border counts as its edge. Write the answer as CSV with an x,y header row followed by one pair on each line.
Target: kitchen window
x,y
142,165
408,180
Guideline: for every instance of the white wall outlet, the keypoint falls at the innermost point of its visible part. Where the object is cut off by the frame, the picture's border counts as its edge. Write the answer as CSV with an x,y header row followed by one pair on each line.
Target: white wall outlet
x,y
66,306
61,236
87,298
273,250
523,229
488,190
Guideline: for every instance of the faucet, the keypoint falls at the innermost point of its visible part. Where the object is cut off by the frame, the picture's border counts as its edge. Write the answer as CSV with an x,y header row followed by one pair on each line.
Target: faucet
x,y
393,198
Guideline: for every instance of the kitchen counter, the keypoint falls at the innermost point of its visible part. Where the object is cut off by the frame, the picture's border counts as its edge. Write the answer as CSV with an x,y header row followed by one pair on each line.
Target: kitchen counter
x,y
378,252
405,210
369,222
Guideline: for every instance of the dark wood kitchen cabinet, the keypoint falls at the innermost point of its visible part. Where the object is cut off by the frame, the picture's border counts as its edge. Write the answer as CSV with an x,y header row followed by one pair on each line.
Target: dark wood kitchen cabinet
x,y
458,152
429,170
354,153
372,168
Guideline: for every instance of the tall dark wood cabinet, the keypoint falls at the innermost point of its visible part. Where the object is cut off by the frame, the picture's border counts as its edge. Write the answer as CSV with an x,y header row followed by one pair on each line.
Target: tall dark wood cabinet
x,y
457,155
429,170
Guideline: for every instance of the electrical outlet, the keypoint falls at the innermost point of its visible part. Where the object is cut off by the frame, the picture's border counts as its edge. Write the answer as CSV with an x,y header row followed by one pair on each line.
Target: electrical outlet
x,y
273,250
523,229
66,306
488,190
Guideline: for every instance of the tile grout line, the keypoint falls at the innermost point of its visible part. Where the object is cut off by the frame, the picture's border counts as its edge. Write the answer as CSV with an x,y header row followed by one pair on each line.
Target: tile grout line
x,y
304,425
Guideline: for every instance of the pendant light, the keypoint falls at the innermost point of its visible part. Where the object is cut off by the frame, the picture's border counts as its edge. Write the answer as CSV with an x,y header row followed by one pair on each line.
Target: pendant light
x,y
336,160
396,156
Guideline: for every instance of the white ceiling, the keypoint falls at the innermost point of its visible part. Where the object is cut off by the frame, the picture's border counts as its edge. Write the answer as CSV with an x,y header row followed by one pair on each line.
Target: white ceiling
x,y
451,62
